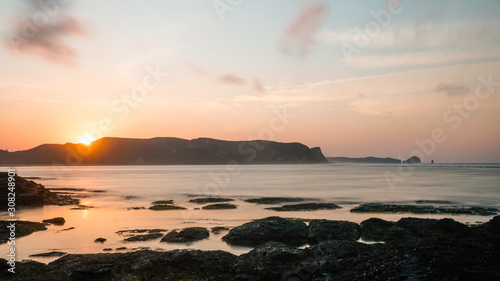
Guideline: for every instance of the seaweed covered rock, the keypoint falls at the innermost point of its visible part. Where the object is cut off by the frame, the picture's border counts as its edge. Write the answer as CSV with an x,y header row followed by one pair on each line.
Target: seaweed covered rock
x,y
288,231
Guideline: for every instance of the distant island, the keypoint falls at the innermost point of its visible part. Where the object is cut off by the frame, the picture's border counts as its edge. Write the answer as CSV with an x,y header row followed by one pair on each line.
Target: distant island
x,y
165,151
374,160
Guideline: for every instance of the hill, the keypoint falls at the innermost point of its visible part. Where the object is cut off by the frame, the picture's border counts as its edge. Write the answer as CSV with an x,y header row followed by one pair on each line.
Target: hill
x,y
373,160
166,151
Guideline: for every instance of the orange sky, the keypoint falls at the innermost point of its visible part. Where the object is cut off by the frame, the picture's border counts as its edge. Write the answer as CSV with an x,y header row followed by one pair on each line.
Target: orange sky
x,y
182,70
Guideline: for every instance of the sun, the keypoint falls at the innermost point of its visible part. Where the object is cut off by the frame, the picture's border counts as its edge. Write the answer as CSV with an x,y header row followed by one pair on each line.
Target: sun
x,y
86,141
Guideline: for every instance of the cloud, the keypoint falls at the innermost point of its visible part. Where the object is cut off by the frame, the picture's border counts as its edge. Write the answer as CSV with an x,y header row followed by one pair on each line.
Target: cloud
x,y
257,85
300,33
453,89
45,35
232,79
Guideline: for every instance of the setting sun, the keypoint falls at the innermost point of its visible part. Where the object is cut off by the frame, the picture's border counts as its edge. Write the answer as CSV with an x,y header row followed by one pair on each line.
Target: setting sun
x,y
86,141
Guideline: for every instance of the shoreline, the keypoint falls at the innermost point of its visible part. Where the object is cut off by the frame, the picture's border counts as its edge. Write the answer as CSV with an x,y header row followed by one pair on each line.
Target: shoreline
x,y
425,249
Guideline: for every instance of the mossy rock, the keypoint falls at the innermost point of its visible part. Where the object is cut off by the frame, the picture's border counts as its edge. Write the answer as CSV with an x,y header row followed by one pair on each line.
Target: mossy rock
x,y
163,202
206,200
223,206
274,200
305,207
166,207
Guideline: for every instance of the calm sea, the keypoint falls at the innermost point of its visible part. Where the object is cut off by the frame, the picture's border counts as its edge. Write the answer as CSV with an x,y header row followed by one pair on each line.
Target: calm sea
x,y
138,186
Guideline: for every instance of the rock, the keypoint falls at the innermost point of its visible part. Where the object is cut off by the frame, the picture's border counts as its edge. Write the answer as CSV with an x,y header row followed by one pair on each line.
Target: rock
x,y
141,230
163,202
100,240
121,248
288,231
375,229
210,200
49,254
186,235
490,230
267,262
55,221
66,229
219,229
413,160
223,206
107,249
135,208
305,207
166,207
321,230
143,237
82,207
22,228
423,209
443,228
31,194
274,200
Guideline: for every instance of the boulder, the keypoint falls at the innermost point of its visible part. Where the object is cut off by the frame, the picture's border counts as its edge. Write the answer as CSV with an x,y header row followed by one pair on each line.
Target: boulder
x,y
22,228
55,221
186,235
375,229
320,230
288,231
269,261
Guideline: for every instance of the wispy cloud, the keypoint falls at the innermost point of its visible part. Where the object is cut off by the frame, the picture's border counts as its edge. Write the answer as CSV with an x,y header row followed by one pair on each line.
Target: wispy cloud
x,y
46,39
453,89
231,79
300,33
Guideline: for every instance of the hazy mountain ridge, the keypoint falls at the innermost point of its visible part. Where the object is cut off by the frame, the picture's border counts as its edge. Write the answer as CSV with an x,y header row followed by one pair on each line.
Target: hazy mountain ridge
x,y
372,160
166,151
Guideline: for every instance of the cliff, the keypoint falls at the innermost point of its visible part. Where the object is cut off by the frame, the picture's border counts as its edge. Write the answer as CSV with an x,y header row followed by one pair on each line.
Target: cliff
x,y
166,151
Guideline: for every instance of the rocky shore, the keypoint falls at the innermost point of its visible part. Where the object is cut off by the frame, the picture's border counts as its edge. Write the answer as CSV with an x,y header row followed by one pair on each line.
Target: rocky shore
x,y
409,249
32,194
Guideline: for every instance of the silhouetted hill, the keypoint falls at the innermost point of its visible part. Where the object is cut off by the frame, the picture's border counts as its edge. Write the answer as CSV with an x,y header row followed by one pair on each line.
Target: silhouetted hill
x,y
165,151
373,160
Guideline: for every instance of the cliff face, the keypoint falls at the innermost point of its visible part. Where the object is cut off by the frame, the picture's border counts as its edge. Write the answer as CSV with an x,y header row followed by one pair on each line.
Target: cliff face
x,y
166,151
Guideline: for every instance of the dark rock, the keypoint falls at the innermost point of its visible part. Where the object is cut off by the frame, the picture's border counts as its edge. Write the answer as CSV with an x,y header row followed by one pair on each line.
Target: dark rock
x,y
423,209
55,221
163,202
219,229
321,230
222,206
288,231
136,208
375,229
186,235
166,207
142,230
443,228
274,200
305,207
100,240
66,229
22,228
210,200
143,237
121,248
267,262
82,207
107,249
49,254
31,194
413,160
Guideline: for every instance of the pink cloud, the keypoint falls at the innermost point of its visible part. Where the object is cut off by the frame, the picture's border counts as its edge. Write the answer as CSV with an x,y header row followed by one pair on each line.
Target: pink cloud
x,y
299,34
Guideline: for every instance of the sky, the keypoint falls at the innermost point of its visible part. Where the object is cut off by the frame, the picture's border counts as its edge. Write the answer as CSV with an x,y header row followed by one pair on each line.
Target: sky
x,y
373,78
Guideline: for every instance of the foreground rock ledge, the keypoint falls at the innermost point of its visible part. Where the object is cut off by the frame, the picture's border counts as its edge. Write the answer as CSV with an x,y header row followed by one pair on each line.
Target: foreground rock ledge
x,y
422,257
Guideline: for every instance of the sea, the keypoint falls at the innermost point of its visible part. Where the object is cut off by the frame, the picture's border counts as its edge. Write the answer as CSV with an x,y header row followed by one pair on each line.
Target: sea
x,y
113,190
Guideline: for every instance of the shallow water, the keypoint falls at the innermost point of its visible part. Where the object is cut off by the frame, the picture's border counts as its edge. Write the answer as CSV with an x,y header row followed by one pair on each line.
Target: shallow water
x,y
138,186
